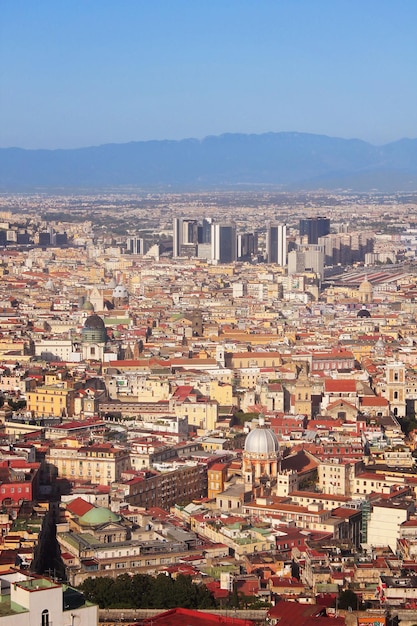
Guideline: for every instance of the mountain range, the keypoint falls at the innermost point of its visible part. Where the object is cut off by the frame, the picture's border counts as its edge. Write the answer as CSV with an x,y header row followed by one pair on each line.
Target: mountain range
x,y
287,161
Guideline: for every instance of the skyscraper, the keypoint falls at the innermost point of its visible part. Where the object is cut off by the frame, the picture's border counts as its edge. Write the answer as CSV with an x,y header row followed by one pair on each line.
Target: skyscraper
x,y
314,227
204,230
276,244
223,243
135,245
247,245
185,235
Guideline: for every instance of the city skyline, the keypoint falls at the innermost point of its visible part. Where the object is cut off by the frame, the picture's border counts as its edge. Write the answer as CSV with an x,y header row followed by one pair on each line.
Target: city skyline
x,y
89,74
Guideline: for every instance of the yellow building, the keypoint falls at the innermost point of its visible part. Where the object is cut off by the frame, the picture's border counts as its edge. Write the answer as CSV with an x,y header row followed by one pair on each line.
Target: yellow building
x,y
302,396
222,393
203,415
216,477
100,464
237,360
51,401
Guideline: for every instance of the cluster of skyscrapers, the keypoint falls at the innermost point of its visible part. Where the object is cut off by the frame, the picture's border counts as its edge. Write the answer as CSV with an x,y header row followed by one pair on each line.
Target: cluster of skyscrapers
x,y
218,242
311,250
222,244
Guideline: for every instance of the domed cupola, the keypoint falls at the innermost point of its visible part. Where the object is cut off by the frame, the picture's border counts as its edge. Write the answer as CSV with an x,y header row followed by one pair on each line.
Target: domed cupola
x,y
120,295
94,329
261,454
365,291
261,441
93,338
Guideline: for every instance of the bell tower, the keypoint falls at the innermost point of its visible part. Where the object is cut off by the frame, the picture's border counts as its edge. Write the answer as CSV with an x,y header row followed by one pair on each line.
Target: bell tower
x,y
395,387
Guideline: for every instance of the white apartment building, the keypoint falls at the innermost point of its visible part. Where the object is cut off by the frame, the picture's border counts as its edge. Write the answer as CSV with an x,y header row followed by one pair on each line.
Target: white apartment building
x,y
28,600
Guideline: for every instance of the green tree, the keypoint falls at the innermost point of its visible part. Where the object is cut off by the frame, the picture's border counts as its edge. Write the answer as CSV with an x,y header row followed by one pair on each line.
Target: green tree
x,y
163,592
185,592
348,598
123,592
142,589
99,590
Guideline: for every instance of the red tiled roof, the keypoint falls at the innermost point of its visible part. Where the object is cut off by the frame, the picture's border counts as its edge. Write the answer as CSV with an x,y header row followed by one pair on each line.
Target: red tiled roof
x,y
79,506
218,467
339,386
373,401
295,614
189,617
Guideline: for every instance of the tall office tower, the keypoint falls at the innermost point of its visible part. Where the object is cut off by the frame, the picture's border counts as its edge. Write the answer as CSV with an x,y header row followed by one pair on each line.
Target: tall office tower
x,y
276,244
135,245
204,230
44,238
223,243
247,245
185,237
314,227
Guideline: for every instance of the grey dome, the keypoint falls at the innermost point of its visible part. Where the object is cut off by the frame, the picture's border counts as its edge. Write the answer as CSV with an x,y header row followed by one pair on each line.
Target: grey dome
x,y
261,441
120,291
94,330
94,322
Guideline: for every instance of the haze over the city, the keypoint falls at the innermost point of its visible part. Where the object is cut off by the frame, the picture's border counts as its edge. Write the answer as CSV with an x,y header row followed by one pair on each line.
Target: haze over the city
x,y
79,74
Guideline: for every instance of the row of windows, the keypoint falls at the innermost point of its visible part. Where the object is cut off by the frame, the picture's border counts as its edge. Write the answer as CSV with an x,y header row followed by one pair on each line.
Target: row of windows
x,y
18,490
73,463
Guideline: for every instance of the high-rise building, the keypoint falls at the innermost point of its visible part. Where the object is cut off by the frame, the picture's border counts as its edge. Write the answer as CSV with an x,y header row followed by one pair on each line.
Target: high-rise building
x,y
185,235
223,243
306,258
276,244
204,230
247,245
135,245
313,228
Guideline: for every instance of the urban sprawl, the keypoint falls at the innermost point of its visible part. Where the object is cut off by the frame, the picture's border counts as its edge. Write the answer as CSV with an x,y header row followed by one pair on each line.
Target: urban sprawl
x,y
215,385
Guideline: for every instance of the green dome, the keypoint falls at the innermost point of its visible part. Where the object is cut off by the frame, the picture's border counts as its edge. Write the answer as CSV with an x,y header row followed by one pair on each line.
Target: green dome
x,y
98,516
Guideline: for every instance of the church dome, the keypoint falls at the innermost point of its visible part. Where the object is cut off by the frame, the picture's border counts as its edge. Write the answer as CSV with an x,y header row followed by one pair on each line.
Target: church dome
x,y
87,306
94,330
262,440
94,322
120,292
365,286
98,516
49,285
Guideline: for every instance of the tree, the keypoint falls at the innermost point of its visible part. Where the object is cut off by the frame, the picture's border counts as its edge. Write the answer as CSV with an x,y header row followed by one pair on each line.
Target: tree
x,y
142,588
99,590
348,598
143,591
162,595
123,593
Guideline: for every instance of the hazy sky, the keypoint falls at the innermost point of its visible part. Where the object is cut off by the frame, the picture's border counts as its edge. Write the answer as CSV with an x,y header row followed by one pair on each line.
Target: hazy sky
x,y
86,72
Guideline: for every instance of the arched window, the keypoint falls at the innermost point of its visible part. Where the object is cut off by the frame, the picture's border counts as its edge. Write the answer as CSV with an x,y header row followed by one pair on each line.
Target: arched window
x,y
45,618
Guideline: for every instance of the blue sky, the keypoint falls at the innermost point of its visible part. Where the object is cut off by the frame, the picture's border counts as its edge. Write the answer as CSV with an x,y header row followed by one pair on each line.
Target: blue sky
x,y
86,72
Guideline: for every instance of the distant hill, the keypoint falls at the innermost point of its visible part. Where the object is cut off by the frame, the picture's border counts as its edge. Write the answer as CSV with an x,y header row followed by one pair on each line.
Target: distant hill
x,y
292,161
